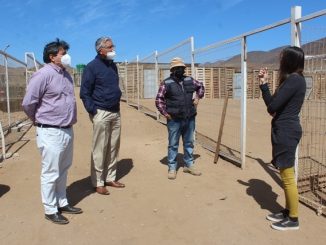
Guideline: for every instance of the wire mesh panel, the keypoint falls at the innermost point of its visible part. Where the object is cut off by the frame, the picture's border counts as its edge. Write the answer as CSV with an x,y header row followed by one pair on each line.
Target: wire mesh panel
x,y
268,57
148,76
122,67
32,65
12,90
148,84
144,75
78,74
3,79
133,76
219,69
182,50
312,155
262,54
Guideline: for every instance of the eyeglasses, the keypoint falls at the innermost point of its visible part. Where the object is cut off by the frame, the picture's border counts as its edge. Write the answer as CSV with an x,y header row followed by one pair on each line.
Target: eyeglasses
x,y
109,47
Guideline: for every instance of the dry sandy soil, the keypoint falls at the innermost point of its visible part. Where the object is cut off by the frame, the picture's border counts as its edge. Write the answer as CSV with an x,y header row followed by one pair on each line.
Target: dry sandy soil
x,y
226,205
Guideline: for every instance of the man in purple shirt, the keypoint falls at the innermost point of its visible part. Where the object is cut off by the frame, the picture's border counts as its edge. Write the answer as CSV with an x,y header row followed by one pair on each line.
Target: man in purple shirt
x,y
50,104
177,99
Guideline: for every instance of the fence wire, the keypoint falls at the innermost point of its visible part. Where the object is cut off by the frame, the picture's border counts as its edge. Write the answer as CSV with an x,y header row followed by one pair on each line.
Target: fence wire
x,y
312,155
14,75
140,78
15,72
219,68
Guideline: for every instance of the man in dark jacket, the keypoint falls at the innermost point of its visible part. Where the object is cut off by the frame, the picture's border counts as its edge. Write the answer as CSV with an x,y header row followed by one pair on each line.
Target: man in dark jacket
x,y
101,95
177,99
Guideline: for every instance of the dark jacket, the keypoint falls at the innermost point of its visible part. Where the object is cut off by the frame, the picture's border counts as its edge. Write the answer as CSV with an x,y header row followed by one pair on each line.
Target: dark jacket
x,y
285,106
179,98
100,86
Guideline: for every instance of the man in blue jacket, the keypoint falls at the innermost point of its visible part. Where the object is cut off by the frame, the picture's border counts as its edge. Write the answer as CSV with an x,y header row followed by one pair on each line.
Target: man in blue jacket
x,y
101,94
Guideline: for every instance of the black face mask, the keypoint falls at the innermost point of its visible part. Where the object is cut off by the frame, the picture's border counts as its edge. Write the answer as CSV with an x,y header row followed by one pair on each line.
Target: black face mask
x,y
179,71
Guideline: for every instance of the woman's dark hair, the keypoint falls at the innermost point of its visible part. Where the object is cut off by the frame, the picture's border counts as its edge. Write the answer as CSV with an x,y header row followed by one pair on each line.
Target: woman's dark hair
x,y
53,48
291,60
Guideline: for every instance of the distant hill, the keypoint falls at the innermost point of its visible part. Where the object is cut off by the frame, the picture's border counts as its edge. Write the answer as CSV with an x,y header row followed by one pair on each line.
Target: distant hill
x,y
270,59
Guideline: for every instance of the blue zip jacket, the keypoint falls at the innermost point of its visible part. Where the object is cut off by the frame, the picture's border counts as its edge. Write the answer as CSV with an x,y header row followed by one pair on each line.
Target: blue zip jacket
x,y
100,86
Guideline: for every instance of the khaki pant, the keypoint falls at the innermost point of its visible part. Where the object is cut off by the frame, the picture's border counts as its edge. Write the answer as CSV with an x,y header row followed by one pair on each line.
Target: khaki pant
x,y
106,145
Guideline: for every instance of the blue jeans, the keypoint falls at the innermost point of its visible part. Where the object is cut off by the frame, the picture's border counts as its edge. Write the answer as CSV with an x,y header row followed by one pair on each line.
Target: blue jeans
x,y
186,129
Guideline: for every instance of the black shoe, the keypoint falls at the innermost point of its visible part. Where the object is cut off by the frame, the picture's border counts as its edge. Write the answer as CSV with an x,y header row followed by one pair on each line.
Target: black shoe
x,y
286,224
70,210
276,217
57,218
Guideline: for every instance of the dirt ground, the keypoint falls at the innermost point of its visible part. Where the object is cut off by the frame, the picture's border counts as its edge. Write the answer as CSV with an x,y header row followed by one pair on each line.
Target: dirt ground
x,y
226,205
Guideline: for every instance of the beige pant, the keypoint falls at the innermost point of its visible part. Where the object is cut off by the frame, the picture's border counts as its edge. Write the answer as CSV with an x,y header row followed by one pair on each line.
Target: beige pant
x,y
106,145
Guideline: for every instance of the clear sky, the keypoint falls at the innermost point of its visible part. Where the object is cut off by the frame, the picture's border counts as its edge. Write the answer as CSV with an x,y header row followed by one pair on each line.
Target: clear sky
x,y
137,27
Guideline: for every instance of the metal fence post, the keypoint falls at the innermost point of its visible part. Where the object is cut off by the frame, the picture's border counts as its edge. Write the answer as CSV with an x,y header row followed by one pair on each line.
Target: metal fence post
x,y
7,90
296,41
243,101
295,27
156,67
138,84
126,80
3,144
26,69
133,84
192,43
157,78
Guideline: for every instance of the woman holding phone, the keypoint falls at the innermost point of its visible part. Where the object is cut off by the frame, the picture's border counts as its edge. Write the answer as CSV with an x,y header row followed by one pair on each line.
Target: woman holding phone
x,y
284,106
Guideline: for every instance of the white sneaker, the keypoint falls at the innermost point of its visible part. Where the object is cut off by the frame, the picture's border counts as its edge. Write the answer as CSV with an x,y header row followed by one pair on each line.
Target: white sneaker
x,y
191,170
172,174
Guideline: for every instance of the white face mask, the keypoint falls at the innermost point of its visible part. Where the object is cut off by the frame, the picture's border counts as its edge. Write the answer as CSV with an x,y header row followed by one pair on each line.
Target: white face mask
x,y
110,55
66,60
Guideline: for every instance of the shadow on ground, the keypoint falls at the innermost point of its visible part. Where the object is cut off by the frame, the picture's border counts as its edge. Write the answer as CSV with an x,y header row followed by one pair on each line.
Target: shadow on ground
x,y
82,188
78,190
15,137
164,160
263,194
124,166
4,189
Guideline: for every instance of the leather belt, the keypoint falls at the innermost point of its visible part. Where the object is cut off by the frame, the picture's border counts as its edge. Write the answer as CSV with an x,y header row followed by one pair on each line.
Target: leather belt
x,y
41,125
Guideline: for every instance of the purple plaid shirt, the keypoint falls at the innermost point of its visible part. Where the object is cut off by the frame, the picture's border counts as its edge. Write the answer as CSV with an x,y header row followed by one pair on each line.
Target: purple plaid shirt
x,y
160,101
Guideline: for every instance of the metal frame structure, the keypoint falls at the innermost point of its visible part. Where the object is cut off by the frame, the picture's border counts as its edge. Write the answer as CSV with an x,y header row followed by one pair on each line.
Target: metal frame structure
x,y
295,21
7,129
37,65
